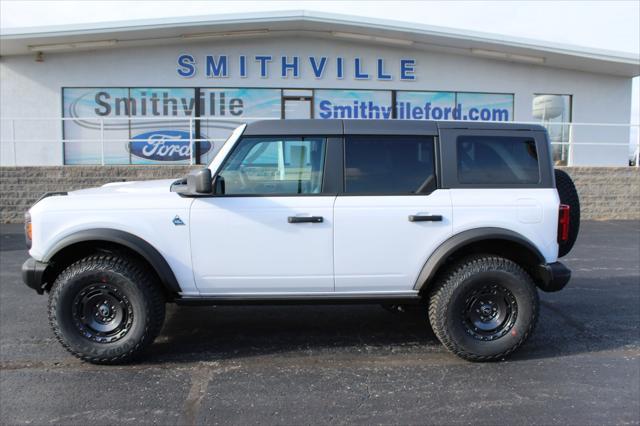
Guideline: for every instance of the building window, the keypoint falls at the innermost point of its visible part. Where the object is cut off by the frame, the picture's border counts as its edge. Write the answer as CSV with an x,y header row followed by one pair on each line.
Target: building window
x,y
223,109
485,106
355,104
554,111
454,106
183,125
156,125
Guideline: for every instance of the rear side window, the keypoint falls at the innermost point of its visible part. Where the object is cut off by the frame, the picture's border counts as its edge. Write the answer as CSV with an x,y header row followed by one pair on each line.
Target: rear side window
x,y
497,160
389,165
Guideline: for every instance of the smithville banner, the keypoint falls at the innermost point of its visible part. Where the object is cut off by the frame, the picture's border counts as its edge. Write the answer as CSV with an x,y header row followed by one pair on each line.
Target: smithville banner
x,y
151,125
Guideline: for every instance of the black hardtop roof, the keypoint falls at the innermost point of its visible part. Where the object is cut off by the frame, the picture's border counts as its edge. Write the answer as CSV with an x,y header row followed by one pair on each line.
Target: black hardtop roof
x,y
372,127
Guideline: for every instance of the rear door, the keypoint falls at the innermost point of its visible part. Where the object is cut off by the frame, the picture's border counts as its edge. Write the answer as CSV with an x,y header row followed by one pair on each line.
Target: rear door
x,y
390,214
502,178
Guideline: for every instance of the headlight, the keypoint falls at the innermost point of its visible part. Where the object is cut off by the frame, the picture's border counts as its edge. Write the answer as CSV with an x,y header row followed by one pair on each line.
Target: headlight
x,y
28,229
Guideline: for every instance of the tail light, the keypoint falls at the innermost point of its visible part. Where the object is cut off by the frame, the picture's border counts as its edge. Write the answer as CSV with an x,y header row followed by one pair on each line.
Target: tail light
x,y
563,223
28,229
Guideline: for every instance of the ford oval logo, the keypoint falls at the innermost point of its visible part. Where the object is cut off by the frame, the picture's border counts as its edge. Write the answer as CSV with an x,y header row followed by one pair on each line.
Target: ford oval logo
x,y
165,145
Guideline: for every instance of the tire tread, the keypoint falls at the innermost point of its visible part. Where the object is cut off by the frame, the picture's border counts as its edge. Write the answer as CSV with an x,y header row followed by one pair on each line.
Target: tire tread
x,y
453,277
134,271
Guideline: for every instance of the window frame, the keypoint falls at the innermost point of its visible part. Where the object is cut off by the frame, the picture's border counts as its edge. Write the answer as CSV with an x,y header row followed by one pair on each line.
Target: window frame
x,y
343,169
329,183
450,158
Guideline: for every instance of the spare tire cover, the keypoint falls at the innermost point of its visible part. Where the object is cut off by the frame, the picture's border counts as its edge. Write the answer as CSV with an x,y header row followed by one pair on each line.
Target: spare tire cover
x,y
569,196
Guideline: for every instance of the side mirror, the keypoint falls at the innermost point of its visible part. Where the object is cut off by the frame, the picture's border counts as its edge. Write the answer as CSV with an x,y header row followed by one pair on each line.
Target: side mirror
x,y
199,182
218,185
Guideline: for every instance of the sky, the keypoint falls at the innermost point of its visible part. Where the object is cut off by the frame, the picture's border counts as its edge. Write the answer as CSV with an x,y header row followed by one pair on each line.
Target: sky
x,y
610,25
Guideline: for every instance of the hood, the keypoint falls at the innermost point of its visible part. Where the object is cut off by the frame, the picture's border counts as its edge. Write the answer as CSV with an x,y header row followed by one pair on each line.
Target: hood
x,y
132,187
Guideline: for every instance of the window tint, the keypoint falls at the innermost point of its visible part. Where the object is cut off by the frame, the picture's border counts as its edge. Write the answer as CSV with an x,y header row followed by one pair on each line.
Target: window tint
x,y
497,159
275,166
389,164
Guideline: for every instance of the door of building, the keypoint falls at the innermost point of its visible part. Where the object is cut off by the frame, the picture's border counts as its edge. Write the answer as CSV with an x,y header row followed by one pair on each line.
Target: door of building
x,y
297,103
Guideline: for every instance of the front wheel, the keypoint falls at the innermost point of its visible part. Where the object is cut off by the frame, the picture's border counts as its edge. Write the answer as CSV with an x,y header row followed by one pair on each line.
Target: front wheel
x,y
484,308
105,309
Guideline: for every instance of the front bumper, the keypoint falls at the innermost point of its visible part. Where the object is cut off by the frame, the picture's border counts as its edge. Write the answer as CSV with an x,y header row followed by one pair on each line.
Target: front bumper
x,y
554,276
32,272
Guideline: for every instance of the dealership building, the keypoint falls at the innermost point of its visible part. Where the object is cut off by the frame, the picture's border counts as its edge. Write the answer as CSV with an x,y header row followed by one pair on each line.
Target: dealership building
x,y
169,91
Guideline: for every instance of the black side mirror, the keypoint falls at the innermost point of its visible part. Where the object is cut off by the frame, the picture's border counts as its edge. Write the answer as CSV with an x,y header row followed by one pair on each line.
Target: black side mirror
x,y
218,185
199,182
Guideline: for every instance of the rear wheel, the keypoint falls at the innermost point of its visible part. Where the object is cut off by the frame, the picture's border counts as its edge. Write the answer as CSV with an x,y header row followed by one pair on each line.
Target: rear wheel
x,y
483,308
105,309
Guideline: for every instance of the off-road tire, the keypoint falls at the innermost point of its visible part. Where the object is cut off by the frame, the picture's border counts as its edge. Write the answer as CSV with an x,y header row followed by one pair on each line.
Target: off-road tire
x,y
449,301
569,196
129,280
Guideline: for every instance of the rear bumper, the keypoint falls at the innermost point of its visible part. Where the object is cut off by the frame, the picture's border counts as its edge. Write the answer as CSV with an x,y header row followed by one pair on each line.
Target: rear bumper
x,y
554,276
32,272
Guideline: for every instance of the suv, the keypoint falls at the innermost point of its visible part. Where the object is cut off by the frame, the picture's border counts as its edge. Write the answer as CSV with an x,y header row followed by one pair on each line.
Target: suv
x,y
463,217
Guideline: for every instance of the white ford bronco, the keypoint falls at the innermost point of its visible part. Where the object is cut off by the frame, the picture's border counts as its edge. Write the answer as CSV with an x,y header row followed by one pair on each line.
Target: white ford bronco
x,y
469,219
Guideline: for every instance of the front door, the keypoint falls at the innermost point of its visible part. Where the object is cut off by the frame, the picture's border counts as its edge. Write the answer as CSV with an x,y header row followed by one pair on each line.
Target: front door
x,y
271,230
390,216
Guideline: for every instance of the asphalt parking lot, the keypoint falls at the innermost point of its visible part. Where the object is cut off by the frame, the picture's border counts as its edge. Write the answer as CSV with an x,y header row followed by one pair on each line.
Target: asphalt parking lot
x,y
340,364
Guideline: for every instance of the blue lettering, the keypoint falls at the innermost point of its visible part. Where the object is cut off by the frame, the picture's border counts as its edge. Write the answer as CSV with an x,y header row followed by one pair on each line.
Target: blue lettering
x,y
386,112
359,75
427,110
318,69
416,113
381,74
243,66
263,59
339,68
407,68
286,66
216,69
186,66
457,112
325,109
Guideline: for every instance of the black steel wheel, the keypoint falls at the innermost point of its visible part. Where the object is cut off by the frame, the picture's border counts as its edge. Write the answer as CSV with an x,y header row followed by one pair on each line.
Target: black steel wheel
x,y
483,307
106,309
490,311
102,313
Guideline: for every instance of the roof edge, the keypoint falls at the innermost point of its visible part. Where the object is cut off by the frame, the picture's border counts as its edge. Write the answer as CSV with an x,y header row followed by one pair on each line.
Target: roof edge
x,y
322,17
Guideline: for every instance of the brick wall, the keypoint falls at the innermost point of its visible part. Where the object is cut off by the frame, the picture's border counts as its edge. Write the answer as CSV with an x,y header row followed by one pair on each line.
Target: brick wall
x,y
605,192
20,187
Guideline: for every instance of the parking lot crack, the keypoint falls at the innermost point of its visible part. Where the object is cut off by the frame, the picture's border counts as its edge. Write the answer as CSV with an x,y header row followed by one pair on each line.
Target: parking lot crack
x,y
201,376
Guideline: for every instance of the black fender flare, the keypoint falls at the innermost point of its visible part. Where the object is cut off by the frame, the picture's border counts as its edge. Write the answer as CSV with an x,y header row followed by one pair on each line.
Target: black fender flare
x,y
464,238
128,240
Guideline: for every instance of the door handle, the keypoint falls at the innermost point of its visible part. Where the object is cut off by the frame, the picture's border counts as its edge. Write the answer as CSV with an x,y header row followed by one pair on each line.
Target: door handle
x,y
305,219
425,218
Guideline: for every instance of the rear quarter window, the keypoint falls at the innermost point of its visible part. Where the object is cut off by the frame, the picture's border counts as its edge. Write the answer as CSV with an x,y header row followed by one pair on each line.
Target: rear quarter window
x,y
497,160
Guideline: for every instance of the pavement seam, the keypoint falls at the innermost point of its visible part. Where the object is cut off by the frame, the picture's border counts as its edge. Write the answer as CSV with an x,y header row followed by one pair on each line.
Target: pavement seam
x,y
200,378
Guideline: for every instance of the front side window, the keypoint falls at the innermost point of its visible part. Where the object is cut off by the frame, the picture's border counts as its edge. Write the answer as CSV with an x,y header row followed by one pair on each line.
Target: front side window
x,y
274,166
497,160
389,165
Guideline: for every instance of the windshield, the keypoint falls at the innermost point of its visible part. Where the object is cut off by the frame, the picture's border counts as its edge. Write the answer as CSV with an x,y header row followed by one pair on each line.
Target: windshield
x,y
226,147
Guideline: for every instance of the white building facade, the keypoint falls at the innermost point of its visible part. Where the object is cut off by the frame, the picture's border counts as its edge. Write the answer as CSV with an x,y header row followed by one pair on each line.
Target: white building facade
x,y
168,92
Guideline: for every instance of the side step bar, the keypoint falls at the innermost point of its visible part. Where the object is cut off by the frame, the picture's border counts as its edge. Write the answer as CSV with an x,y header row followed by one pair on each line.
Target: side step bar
x,y
301,299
